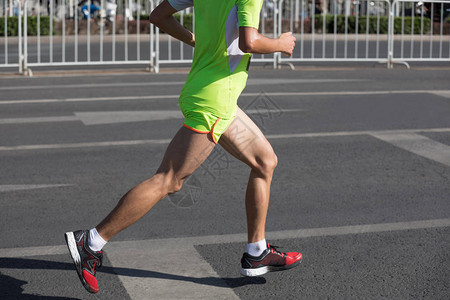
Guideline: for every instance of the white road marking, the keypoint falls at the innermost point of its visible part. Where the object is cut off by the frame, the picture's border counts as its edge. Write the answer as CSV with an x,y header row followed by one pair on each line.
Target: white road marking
x,y
89,85
113,117
38,120
172,273
352,133
252,81
445,94
418,144
160,97
234,238
174,269
21,187
89,99
166,141
280,81
85,145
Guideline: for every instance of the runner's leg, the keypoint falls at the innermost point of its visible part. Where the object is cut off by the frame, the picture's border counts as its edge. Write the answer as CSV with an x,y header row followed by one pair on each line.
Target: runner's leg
x,y
245,141
185,153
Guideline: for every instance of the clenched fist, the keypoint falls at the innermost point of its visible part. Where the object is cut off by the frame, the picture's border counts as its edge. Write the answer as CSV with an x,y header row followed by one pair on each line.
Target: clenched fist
x,y
287,41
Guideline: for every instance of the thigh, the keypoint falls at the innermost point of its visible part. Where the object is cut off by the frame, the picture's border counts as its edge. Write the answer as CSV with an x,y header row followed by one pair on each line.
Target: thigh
x,y
245,141
185,153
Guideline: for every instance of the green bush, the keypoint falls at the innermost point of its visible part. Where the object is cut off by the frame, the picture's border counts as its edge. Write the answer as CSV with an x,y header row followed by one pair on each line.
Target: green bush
x,y
407,25
362,24
13,26
12,29
187,20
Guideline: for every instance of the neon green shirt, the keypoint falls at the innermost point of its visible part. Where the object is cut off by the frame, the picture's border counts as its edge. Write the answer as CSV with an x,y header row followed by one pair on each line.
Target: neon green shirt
x,y
219,68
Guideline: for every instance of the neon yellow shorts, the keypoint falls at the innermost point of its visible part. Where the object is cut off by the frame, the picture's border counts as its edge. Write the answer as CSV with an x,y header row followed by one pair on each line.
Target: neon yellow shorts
x,y
209,105
207,122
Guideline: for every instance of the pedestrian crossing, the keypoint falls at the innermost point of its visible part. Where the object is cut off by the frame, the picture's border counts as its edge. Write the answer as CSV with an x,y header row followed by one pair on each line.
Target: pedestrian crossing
x,y
173,269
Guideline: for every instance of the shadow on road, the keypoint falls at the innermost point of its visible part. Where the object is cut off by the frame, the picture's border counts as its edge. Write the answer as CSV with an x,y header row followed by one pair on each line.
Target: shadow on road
x,y
37,264
11,288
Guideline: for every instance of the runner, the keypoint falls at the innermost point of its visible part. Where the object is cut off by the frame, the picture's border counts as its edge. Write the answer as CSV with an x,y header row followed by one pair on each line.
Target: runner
x,y
226,35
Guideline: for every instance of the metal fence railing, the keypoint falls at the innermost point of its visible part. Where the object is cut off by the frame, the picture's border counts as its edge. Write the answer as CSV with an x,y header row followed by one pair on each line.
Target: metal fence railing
x,y
10,47
170,51
334,30
117,32
426,37
89,33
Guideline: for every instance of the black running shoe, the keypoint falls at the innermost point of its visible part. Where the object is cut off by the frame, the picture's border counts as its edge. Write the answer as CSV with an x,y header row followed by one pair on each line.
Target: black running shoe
x,y
85,260
270,260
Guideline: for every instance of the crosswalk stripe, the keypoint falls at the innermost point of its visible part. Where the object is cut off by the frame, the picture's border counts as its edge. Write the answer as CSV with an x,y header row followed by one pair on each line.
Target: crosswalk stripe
x,y
171,268
166,141
441,93
251,81
171,273
21,187
418,144
238,237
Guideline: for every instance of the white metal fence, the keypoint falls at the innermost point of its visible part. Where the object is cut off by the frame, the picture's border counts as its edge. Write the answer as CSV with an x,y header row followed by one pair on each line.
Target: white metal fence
x,y
102,32
337,30
175,52
432,43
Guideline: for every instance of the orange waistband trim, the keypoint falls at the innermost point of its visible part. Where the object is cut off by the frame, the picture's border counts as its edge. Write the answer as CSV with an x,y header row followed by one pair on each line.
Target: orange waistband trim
x,y
212,131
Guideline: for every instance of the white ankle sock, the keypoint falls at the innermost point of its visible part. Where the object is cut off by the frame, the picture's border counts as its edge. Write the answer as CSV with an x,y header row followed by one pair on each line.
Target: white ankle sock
x,y
257,248
96,242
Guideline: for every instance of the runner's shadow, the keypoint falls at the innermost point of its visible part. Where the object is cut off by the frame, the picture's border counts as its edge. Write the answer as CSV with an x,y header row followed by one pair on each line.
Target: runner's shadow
x,y
11,288
226,282
37,264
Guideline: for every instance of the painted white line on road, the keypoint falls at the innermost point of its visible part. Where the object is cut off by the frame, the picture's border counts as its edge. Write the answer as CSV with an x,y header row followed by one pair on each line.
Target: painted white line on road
x,y
445,94
102,117
172,269
86,145
196,278
113,117
89,99
166,141
34,251
418,144
350,93
89,85
351,133
172,273
160,97
280,81
233,238
38,120
261,81
21,187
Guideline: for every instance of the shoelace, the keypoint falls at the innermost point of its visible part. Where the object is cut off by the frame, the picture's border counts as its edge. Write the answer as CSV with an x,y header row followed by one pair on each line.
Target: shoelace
x,y
274,249
98,263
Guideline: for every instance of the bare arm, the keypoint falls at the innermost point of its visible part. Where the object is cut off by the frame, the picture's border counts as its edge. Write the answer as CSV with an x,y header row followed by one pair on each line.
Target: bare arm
x,y
251,41
162,17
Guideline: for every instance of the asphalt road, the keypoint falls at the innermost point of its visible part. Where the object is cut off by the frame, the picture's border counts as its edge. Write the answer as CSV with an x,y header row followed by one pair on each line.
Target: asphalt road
x,y
362,187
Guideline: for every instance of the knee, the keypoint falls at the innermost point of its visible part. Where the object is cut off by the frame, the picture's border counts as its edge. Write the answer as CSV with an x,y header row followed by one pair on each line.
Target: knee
x,y
272,162
266,164
172,184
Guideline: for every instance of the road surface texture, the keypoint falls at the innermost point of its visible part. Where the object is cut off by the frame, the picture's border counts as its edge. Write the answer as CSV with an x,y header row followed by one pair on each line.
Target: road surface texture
x,y
362,187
